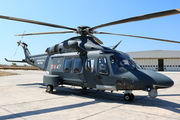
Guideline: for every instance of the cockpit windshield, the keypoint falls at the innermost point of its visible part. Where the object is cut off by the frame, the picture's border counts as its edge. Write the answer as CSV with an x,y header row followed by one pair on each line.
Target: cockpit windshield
x,y
121,63
133,61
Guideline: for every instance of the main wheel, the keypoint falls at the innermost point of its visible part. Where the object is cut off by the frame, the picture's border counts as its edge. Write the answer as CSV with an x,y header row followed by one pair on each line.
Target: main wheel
x,y
49,89
128,97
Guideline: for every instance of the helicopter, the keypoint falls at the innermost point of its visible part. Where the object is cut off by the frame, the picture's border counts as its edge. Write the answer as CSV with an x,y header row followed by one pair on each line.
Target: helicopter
x,y
83,61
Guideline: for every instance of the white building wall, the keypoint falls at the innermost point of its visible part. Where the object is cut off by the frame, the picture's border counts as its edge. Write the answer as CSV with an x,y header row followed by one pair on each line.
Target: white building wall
x,y
155,64
172,64
148,64
166,65
152,64
149,59
178,64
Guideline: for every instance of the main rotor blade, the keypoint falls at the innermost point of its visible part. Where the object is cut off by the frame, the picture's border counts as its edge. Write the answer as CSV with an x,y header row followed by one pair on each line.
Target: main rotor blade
x,y
36,22
59,32
96,39
141,17
138,37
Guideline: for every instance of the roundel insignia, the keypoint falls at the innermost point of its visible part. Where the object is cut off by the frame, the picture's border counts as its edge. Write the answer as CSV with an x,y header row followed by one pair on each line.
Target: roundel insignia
x,y
54,66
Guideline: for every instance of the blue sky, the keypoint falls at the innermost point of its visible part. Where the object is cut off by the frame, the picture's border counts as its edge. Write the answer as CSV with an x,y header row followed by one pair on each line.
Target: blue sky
x,y
74,13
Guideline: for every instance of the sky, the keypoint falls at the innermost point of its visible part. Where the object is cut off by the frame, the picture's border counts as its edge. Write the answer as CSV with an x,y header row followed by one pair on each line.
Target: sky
x,y
74,13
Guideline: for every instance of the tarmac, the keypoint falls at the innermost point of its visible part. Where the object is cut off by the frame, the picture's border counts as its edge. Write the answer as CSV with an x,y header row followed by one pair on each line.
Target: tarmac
x,y
23,97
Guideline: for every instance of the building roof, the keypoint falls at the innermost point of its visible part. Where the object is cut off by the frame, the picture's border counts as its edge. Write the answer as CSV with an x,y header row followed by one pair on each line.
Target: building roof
x,y
155,54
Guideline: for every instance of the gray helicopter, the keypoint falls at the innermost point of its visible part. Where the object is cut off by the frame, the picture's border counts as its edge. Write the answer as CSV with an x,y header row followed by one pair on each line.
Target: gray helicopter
x,y
82,61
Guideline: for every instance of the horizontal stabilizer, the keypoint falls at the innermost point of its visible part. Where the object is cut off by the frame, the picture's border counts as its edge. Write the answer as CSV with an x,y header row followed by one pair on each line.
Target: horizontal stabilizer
x,y
23,61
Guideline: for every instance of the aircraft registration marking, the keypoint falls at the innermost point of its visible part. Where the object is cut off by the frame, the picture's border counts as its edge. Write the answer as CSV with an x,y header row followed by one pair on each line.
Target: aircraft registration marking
x,y
41,61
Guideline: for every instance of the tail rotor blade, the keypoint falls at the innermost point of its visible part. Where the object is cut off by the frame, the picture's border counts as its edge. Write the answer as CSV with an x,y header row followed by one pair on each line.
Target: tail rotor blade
x,y
16,50
22,36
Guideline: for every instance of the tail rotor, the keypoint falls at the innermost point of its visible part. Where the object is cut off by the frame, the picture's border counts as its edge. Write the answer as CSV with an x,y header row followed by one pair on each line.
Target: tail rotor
x,y
19,42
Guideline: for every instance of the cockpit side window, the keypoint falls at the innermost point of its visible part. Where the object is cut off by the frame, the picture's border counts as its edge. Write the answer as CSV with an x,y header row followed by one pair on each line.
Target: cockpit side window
x,y
103,66
115,67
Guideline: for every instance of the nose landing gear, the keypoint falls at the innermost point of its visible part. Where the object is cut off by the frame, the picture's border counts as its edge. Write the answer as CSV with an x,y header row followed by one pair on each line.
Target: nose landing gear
x,y
128,96
153,93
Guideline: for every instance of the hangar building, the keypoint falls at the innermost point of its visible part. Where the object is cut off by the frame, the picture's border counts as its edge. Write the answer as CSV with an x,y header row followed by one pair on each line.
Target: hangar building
x,y
157,60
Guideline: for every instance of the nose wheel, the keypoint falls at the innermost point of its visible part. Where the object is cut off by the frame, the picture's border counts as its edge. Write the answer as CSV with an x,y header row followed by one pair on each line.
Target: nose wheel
x,y
153,93
128,96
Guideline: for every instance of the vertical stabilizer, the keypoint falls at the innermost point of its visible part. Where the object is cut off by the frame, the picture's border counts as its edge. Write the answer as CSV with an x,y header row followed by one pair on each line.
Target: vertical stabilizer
x,y
26,52
41,61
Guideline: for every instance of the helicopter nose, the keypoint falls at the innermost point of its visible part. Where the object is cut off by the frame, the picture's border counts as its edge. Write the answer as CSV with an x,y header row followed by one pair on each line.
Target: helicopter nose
x,y
160,80
163,81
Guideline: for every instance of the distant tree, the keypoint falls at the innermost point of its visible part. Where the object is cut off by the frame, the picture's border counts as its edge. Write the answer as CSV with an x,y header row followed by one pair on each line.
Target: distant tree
x,y
14,64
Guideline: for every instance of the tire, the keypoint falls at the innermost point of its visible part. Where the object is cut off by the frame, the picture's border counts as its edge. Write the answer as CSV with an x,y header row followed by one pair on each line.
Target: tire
x,y
49,88
127,97
132,96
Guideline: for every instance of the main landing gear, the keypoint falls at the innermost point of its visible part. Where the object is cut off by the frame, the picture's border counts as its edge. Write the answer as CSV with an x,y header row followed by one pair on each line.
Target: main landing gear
x,y
84,88
49,89
128,95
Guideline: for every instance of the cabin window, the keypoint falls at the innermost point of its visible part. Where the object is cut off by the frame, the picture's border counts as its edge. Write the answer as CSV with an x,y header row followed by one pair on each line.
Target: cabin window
x,y
77,66
103,66
89,65
67,65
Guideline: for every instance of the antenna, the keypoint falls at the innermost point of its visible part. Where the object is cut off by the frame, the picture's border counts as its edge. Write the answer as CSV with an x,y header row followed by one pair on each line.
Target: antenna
x,y
116,45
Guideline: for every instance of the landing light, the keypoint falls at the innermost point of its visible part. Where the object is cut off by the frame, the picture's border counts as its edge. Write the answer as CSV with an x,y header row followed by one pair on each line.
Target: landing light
x,y
148,89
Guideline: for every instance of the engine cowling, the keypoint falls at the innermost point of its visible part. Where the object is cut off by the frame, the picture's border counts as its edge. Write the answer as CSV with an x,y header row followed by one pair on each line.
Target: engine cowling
x,y
65,47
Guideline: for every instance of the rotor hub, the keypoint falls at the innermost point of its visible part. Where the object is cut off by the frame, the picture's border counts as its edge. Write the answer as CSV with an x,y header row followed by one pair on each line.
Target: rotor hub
x,y
83,30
